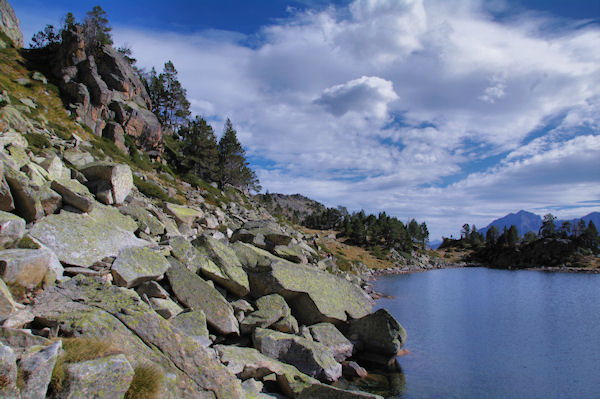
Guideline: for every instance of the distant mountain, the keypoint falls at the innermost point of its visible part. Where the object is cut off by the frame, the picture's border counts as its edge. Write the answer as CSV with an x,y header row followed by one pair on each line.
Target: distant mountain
x,y
525,221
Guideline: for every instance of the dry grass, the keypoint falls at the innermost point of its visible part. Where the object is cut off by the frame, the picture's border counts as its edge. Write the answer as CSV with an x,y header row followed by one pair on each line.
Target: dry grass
x,y
146,384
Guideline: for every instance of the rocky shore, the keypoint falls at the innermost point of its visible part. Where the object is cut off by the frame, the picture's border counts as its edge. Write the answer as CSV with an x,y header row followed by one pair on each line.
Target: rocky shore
x,y
109,291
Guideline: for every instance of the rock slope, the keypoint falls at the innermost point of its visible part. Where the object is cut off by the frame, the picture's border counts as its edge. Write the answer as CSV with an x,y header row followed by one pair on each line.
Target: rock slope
x,y
108,292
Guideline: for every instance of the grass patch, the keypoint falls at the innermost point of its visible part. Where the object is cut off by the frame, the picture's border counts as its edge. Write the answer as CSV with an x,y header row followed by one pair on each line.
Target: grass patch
x,y
77,350
152,190
37,142
212,195
146,383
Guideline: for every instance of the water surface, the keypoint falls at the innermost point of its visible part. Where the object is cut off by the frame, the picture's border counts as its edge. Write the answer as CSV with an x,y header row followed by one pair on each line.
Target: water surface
x,y
483,333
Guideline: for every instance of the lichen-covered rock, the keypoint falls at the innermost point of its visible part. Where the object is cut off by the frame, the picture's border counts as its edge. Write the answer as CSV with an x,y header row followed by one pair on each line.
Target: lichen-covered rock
x,y
82,240
186,253
314,296
331,337
165,307
135,265
10,25
6,199
377,333
108,378
147,222
236,280
55,167
322,391
74,193
293,253
197,294
250,363
36,368
7,304
251,256
8,373
24,267
192,324
26,197
271,308
111,216
263,233
309,357
118,175
21,340
152,290
183,215
78,158
287,324
12,228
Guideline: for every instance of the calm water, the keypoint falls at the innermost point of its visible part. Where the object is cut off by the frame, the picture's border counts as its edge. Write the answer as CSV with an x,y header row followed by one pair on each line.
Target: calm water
x,y
481,333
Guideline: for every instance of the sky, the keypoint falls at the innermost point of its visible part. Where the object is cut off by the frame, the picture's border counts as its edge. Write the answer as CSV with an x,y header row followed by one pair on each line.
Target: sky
x,y
446,111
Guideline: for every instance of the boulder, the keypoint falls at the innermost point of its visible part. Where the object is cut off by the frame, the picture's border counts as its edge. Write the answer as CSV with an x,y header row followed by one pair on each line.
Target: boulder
x,y
55,167
287,324
186,253
135,265
8,369
195,293
322,391
251,256
19,319
111,216
271,308
24,268
313,295
311,358
50,199
293,253
10,25
352,370
152,290
236,280
377,333
147,222
6,199
183,215
192,324
165,307
82,240
118,175
78,158
26,197
36,368
35,173
7,304
115,133
74,193
12,228
263,233
108,378
331,337
21,341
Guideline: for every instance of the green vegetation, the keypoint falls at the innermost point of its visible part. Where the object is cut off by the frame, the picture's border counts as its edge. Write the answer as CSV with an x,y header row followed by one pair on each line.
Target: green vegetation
x,y
153,190
37,142
146,383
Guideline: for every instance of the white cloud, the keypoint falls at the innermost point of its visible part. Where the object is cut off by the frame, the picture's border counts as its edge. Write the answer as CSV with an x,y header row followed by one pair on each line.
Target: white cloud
x,y
461,87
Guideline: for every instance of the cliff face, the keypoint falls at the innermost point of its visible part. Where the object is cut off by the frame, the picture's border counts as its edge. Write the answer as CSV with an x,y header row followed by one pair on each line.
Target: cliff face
x,y
105,92
9,24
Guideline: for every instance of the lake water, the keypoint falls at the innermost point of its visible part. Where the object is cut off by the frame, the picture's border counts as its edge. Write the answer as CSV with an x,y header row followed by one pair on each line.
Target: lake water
x,y
483,333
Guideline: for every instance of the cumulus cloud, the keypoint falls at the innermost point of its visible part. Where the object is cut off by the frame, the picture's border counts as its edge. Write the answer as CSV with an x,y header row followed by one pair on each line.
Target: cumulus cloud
x,y
456,114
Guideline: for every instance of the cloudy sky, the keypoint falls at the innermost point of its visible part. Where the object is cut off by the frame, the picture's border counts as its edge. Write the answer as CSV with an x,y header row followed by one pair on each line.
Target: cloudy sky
x,y
448,111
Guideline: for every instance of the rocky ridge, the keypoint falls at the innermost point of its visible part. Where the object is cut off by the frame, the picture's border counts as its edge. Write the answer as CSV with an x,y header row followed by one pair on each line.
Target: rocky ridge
x,y
101,284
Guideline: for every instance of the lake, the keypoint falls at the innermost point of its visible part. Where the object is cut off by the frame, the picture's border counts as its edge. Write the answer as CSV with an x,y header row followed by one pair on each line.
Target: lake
x,y
484,333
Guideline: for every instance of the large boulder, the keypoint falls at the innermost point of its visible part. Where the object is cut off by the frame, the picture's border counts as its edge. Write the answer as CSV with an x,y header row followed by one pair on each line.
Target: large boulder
x,y
313,295
147,222
135,265
27,199
236,279
377,334
271,308
311,358
331,337
8,372
108,377
82,240
6,200
183,215
74,193
36,368
197,294
117,175
12,228
262,233
24,268
192,324
10,25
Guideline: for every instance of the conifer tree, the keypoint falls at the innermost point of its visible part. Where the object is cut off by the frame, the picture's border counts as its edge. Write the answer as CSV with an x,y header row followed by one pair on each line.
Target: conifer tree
x,y
233,165
96,28
200,149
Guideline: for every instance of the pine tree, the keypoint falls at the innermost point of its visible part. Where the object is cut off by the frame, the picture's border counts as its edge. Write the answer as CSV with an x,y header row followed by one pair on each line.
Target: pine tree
x,y
96,29
233,165
200,149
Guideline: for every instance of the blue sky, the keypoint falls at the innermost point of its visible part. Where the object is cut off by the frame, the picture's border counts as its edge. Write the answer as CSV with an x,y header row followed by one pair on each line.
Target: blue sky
x,y
449,111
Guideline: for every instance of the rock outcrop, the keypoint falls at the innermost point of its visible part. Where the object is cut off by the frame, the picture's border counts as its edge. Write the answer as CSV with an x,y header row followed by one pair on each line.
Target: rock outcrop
x,y
10,25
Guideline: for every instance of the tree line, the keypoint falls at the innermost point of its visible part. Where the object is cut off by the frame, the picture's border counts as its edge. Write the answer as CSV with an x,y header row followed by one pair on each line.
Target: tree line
x,y
191,145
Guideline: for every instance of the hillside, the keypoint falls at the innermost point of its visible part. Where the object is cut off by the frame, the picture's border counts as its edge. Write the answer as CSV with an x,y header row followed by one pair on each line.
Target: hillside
x,y
121,280
527,221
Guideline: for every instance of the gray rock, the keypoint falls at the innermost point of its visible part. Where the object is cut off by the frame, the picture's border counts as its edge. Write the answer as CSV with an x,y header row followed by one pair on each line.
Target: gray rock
x,y
377,333
82,240
311,358
55,167
36,368
26,197
74,193
263,234
183,215
192,291
192,324
271,308
146,221
135,265
165,307
236,280
293,253
10,25
118,175
8,373
21,340
6,199
314,296
25,268
12,228
19,319
331,337
108,378
287,324
352,370
7,303
78,158
152,290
